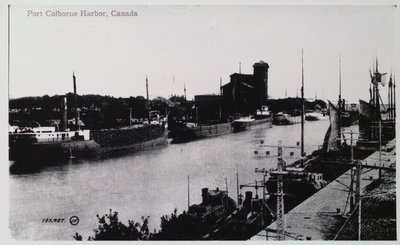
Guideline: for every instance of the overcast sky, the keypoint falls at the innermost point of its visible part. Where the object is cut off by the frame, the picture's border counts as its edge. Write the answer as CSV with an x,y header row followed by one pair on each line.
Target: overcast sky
x,y
197,45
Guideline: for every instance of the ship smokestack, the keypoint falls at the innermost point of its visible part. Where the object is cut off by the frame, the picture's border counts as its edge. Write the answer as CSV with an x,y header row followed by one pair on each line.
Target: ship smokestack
x,y
247,200
204,194
76,103
64,118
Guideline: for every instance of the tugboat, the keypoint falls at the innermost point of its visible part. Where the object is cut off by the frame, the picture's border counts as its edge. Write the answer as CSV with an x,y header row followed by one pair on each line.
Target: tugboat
x,y
216,206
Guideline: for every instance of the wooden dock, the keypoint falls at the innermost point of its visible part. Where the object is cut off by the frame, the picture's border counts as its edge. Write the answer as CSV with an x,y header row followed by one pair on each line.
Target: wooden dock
x,y
320,217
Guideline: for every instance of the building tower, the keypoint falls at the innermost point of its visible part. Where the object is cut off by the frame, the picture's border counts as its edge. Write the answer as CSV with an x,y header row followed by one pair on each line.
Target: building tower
x,y
261,80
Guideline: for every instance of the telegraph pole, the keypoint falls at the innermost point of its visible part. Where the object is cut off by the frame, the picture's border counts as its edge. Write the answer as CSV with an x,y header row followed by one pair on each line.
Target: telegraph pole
x,y
188,181
358,191
237,186
380,149
351,173
280,222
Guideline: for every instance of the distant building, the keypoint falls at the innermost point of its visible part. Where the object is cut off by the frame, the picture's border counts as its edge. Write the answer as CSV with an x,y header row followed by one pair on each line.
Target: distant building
x,y
245,93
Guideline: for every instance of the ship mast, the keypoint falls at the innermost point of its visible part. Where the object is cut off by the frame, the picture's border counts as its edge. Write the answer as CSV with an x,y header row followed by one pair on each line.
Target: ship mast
x,y
394,96
340,94
390,96
220,98
302,105
184,91
147,96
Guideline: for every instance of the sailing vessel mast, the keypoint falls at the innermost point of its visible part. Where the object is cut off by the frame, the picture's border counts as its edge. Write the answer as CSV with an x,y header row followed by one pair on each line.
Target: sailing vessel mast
x,y
340,96
184,91
147,96
394,97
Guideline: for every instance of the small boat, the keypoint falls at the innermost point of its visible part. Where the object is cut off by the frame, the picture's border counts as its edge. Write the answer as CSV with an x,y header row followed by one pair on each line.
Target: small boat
x,y
281,118
315,116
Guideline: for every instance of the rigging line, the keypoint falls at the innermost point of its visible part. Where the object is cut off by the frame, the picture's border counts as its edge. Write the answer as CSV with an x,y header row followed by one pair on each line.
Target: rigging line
x,y
342,183
345,223
383,105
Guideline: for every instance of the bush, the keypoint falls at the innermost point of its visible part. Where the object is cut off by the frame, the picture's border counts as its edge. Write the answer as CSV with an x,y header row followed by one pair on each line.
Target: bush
x,y
110,228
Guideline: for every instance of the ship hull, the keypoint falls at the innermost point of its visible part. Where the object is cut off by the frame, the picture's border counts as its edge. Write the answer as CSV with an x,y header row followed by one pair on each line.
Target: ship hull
x,y
286,120
102,142
182,133
257,123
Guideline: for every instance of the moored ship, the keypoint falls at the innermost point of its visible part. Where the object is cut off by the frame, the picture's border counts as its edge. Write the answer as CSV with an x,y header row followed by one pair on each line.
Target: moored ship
x,y
52,144
261,119
185,131
377,122
67,139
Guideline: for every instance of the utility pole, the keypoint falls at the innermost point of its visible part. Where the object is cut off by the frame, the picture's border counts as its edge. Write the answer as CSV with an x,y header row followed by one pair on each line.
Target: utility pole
x,y
188,183
380,148
351,173
237,186
358,191
264,172
280,222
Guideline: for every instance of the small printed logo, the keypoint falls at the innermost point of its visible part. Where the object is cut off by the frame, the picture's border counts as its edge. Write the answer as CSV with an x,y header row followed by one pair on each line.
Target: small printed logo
x,y
74,220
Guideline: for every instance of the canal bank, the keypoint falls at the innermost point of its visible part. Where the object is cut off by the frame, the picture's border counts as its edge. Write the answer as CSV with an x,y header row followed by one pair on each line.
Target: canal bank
x,y
320,217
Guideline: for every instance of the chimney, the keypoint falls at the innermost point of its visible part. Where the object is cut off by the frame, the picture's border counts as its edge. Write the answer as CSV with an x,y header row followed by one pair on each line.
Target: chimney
x,y
204,194
63,111
76,103
247,199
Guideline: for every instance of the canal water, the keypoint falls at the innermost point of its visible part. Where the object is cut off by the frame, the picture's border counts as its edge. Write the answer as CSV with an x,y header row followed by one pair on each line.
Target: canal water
x,y
148,183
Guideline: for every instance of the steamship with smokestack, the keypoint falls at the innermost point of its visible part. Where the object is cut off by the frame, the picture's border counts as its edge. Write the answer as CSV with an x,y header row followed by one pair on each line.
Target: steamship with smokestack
x,y
69,140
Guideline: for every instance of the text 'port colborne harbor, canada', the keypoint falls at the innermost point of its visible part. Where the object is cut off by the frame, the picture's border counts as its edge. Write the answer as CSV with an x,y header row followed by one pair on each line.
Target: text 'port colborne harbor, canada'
x,y
89,134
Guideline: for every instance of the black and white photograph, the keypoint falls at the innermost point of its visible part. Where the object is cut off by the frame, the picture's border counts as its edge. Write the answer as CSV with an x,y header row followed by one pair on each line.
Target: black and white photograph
x,y
204,122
